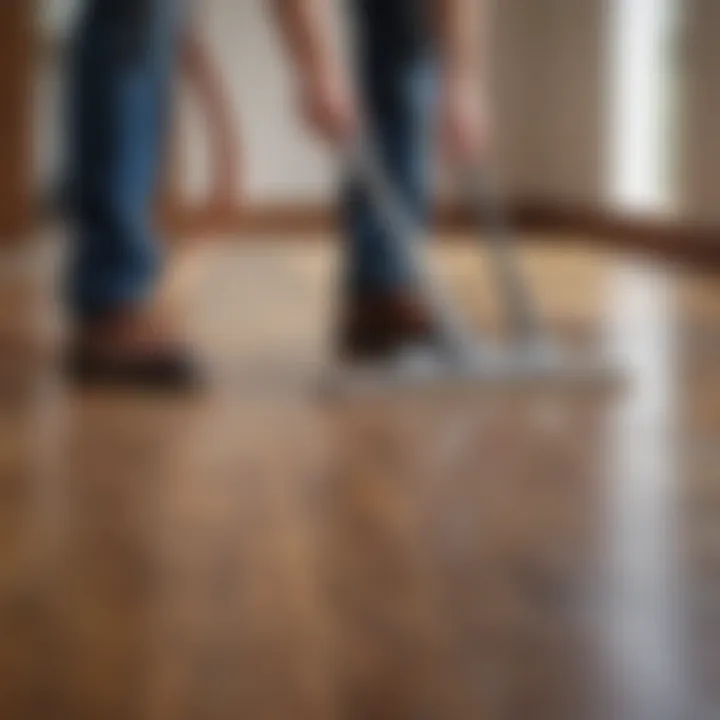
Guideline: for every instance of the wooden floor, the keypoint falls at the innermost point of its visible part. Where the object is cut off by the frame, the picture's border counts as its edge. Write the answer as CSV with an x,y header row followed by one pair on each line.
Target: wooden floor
x,y
256,554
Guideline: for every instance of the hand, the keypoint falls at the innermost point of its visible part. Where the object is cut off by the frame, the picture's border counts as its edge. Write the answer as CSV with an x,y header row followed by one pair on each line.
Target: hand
x,y
328,107
464,125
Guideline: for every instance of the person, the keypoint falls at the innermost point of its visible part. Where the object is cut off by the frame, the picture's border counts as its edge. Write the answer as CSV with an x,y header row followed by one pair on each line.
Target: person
x,y
413,57
122,60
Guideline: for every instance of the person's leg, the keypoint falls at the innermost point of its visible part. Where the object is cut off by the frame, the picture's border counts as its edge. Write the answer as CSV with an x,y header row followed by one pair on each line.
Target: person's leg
x,y
121,68
396,78
396,75
121,63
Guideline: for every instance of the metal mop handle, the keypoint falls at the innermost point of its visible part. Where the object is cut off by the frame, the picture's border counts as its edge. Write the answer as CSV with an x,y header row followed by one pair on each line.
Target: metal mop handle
x,y
521,310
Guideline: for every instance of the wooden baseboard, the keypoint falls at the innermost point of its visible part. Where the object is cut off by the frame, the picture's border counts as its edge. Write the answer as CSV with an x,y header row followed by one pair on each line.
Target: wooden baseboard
x,y
294,220
691,244
17,30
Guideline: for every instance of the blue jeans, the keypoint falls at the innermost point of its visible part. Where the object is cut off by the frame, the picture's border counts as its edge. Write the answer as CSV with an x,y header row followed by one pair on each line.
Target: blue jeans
x,y
396,71
121,71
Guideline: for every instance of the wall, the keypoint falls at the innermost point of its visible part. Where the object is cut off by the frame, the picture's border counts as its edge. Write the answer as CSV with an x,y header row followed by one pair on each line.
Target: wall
x,y
701,127
549,89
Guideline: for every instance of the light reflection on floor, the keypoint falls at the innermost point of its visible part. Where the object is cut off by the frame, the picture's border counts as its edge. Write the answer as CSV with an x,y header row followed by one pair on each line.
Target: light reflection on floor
x,y
446,559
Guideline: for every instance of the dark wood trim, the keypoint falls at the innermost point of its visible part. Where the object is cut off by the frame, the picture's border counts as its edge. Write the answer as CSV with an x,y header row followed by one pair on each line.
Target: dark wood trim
x,y
17,60
692,244
287,219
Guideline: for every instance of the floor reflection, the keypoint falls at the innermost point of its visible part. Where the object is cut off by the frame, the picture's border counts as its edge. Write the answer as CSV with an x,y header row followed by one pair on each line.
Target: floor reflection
x,y
643,610
262,555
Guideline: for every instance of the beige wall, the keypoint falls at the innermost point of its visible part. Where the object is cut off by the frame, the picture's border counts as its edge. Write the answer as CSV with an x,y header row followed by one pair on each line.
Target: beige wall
x,y
549,97
701,125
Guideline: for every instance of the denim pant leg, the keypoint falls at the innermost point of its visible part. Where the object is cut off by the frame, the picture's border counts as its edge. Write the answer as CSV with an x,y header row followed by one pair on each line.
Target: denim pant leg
x,y
396,71
120,72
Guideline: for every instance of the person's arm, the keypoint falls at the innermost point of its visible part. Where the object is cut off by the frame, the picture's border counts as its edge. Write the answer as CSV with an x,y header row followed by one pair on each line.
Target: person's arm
x,y
462,25
462,39
325,89
305,26
205,82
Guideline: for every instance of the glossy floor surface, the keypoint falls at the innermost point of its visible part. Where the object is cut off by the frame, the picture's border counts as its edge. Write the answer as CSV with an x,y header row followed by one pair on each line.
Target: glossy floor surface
x,y
255,553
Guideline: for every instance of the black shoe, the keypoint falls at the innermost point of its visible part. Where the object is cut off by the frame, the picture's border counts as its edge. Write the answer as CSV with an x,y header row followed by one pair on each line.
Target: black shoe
x,y
166,370
375,327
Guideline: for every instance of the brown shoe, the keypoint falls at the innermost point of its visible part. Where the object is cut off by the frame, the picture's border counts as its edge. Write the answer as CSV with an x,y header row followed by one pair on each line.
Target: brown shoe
x,y
374,327
134,350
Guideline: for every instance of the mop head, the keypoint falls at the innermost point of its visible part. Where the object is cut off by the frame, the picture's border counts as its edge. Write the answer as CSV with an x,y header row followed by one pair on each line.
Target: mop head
x,y
530,369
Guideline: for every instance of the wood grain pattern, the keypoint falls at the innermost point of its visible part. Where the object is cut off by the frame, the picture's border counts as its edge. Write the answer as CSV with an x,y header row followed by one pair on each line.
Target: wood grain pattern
x,y
257,554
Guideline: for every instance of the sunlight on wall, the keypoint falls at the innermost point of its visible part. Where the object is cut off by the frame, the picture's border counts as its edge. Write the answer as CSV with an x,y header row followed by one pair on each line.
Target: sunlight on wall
x,y
641,104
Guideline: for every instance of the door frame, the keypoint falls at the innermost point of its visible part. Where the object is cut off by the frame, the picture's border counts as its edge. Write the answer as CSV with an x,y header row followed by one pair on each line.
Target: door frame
x,y
17,63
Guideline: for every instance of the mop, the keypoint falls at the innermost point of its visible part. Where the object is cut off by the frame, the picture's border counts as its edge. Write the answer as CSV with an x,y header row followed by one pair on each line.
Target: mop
x,y
457,355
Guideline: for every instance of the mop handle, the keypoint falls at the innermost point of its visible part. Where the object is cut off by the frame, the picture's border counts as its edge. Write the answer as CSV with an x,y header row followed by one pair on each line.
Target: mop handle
x,y
489,212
